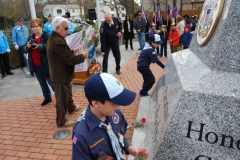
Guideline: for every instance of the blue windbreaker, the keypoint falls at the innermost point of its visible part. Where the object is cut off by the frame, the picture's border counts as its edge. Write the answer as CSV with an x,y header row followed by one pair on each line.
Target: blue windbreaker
x,y
20,35
3,43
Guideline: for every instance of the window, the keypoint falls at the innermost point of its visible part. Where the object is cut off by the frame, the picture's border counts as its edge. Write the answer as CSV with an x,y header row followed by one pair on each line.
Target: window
x,y
73,10
122,9
112,15
59,11
112,9
123,15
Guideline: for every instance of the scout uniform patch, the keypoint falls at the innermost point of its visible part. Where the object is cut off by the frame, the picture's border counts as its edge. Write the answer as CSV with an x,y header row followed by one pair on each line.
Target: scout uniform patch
x,y
115,118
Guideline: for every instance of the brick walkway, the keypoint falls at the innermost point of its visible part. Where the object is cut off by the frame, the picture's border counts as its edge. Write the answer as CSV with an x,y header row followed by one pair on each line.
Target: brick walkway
x,y
26,128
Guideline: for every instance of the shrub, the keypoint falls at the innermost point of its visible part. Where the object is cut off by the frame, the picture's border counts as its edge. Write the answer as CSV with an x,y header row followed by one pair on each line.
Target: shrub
x,y
14,60
13,57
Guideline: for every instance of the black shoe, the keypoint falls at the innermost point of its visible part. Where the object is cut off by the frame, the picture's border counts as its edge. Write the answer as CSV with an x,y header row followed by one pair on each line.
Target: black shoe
x,y
118,72
126,48
143,95
139,48
46,102
9,73
3,75
132,48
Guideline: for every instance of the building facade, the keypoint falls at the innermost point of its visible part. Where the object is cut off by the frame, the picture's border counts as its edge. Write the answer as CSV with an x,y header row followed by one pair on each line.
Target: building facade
x,y
112,10
61,9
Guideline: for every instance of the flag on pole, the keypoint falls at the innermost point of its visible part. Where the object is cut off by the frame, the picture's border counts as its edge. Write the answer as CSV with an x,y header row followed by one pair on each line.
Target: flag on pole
x,y
170,11
143,12
154,13
159,13
175,12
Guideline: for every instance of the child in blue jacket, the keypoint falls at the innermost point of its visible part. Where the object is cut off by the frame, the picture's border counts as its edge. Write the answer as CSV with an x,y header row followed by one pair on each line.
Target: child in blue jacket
x,y
186,37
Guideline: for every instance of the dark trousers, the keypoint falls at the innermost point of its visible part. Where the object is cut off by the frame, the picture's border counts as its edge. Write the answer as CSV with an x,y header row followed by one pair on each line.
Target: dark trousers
x,y
148,79
43,82
4,63
21,51
126,43
116,53
164,47
64,101
157,50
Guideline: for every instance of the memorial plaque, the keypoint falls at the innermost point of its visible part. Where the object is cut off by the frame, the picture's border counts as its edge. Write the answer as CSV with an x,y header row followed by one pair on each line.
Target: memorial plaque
x,y
194,111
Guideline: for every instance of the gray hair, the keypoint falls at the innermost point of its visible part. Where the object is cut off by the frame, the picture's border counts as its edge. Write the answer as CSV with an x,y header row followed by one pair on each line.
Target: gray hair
x,y
57,21
107,15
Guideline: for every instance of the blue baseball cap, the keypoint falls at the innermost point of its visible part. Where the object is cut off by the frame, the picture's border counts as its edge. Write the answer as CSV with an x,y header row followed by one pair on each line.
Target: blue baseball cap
x,y
104,86
20,19
155,38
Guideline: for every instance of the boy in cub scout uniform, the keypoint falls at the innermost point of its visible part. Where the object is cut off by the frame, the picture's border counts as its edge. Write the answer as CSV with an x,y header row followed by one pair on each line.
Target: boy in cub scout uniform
x,y
99,133
164,37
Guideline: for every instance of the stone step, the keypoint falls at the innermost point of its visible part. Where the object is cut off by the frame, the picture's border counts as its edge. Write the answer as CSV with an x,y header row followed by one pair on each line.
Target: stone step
x,y
140,132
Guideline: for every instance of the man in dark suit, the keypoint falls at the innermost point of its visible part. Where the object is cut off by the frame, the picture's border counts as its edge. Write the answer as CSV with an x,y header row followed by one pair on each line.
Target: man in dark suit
x,y
61,68
110,32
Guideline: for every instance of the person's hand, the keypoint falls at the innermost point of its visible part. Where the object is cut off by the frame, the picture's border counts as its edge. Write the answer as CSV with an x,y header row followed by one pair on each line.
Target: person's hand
x,y
36,46
118,34
170,40
75,50
8,50
16,47
102,54
133,150
129,30
28,45
85,54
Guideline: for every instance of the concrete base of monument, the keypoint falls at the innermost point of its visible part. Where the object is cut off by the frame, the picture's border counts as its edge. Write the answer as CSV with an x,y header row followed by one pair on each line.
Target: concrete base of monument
x,y
140,132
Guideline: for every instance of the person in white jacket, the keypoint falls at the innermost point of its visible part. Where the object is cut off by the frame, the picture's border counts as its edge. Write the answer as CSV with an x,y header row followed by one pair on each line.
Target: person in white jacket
x,y
180,24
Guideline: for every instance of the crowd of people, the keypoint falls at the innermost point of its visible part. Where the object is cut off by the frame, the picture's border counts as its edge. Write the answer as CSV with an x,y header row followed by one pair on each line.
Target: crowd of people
x,y
175,33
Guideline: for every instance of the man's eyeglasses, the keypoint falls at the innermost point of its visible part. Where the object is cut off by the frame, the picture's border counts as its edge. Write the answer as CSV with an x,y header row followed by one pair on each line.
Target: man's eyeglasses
x,y
139,15
66,28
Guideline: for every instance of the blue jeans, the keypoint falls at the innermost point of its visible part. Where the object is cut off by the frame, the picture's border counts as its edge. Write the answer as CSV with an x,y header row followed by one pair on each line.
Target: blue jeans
x,y
43,82
141,39
148,79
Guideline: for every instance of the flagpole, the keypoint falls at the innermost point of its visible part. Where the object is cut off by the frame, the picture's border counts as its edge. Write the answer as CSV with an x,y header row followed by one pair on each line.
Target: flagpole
x,y
155,12
167,19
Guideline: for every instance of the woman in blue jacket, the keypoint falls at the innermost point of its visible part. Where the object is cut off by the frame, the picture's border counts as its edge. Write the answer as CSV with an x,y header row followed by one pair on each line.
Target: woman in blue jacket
x,y
4,58
37,58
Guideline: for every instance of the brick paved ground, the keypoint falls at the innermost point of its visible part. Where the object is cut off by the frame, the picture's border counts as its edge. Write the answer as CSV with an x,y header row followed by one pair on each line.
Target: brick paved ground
x,y
26,128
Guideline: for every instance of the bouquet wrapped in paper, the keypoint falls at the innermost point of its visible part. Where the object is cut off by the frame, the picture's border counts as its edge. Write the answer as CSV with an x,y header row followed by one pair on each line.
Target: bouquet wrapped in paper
x,y
85,41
